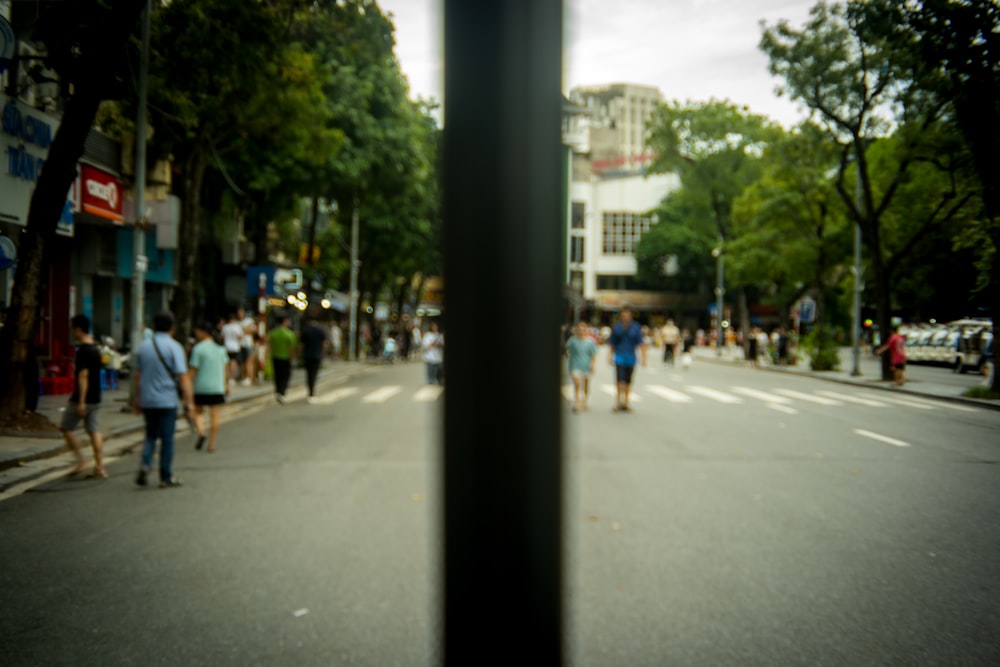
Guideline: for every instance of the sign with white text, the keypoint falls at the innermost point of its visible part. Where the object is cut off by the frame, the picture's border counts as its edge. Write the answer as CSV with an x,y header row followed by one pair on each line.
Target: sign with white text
x,y
100,194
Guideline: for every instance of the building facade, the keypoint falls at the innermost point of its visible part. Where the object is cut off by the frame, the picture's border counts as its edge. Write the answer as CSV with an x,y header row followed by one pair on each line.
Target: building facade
x,y
611,195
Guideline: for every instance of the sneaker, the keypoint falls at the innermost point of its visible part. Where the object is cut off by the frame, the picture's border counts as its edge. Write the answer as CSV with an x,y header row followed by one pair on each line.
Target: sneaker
x,y
246,382
281,398
311,400
169,483
140,479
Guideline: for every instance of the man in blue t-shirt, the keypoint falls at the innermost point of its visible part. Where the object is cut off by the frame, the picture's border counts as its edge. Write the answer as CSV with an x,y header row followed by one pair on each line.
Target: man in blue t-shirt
x,y
626,336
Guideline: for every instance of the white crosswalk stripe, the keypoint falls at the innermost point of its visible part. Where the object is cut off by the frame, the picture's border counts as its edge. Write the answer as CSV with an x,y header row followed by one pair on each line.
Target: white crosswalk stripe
x,y
809,398
849,398
671,395
382,394
428,393
914,401
611,390
902,401
761,395
714,394
338,394
567,392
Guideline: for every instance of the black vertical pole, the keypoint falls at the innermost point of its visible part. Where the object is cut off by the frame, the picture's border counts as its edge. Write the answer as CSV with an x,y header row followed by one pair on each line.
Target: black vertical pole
x,y
502,449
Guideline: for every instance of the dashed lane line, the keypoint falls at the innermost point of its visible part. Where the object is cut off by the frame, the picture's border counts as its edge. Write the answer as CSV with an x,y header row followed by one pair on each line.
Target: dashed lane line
x,y
787,409
881,438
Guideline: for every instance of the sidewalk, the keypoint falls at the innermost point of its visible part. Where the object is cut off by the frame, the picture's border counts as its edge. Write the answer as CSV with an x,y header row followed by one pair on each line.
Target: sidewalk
x,y
27,456
922,380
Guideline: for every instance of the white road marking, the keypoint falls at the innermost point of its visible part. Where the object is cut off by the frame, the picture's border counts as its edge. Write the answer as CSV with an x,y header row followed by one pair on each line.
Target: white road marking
x,y
791,393
719,396
382,394
567,392
910,400
881,438
787,409
901,401
848,398
671,395
428,393
336,395
612,391
761,395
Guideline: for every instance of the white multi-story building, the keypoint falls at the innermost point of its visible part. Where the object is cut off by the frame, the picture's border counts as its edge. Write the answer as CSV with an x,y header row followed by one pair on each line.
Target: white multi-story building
x,y
611,196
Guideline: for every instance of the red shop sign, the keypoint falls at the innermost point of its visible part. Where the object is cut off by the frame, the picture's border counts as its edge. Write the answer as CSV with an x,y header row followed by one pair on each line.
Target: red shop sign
x,y
100,194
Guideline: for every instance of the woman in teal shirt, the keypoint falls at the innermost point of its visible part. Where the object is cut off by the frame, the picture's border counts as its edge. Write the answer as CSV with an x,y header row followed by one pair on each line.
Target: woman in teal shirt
x,y
582,353
208,367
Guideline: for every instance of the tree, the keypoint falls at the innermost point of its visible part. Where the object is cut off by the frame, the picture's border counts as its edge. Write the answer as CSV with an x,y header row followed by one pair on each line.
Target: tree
x,y
715,147
859,85
85,41
206,90
684,231
955,53
790,225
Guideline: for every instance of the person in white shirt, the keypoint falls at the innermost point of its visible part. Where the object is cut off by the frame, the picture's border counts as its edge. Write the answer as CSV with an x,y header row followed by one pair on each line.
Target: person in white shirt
x,y
232,335
247,357
432,346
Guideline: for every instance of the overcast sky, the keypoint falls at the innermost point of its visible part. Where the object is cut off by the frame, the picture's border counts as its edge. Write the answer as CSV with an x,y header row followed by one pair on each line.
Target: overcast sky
x,y
689,49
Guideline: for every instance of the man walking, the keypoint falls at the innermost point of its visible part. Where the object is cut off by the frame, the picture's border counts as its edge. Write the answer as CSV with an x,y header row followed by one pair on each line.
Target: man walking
x,y
85,402
314,343
281,344
671,339
626,336
160,375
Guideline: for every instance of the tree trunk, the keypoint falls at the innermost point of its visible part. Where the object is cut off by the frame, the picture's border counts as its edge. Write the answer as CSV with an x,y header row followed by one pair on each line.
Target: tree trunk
x,y
187,250
34,252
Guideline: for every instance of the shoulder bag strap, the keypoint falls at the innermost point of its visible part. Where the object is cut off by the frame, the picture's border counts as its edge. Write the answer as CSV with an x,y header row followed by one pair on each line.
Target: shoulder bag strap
x,y
164,362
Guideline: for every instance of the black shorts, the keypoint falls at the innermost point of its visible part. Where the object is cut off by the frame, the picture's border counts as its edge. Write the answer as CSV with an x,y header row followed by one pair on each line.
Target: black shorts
x,y
233,356
624,373
898,367
209,399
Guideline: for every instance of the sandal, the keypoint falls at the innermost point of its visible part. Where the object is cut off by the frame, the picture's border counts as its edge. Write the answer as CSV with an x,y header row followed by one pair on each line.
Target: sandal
x,y
99,473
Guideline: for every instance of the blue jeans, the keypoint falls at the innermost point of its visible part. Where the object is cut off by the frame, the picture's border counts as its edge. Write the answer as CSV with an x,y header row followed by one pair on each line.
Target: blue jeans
x,y
160,424
435,373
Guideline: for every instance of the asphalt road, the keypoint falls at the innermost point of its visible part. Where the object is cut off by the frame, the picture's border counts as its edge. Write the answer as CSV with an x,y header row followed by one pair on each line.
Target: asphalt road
x,y
736,518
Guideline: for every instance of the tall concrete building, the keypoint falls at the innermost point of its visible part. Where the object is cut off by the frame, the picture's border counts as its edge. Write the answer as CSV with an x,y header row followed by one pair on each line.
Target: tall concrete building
x,y
611,195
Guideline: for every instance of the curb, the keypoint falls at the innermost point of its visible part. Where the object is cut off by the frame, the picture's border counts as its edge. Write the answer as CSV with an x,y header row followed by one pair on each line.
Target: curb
x,y
122,440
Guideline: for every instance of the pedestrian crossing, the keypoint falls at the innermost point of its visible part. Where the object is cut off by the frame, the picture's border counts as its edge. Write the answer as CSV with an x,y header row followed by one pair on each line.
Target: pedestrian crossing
x,y
779,399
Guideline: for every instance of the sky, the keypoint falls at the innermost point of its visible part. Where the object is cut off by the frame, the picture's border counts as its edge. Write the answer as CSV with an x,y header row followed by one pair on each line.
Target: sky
x,y
690,49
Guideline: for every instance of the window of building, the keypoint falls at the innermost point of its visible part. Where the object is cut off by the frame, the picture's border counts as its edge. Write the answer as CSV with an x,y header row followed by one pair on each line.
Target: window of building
x,y
576,250
578,215
576,280
621,231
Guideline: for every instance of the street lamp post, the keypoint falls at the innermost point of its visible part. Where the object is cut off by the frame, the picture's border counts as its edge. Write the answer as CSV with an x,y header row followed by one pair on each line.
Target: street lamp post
x,y
141,262
719,292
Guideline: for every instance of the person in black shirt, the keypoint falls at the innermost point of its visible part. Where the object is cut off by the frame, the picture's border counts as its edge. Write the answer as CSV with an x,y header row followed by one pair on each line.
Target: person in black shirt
x,y
85,401
314,341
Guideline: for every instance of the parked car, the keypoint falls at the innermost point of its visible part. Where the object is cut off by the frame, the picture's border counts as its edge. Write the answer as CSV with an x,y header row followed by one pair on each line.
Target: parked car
x,y
967,354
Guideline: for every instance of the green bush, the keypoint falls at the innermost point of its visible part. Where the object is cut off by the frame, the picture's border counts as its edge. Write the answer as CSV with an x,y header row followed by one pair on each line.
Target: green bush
x,y
822,349
981,392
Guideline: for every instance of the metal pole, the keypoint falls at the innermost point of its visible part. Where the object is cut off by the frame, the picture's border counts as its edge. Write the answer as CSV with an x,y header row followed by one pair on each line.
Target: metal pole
x,y
355,265
502,208
719,292
141,262
856,270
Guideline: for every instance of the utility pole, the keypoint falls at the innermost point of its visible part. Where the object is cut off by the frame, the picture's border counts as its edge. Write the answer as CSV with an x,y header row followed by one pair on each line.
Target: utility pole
x,y
856,270
141,262
355,265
